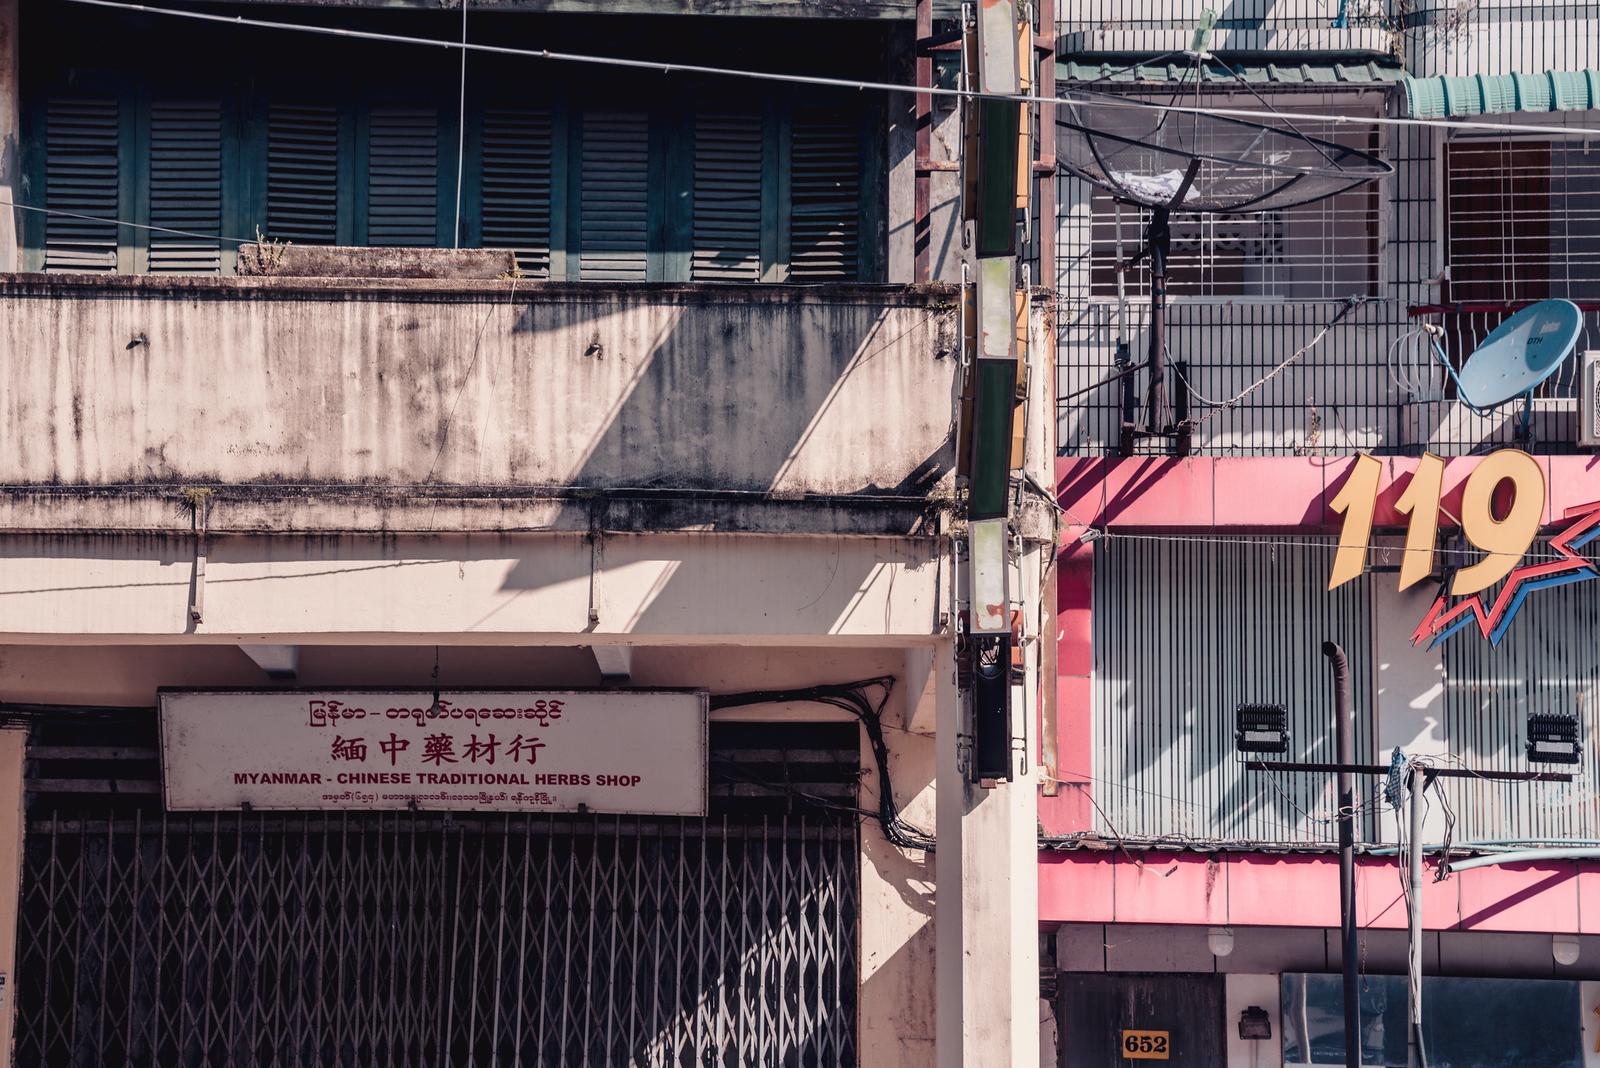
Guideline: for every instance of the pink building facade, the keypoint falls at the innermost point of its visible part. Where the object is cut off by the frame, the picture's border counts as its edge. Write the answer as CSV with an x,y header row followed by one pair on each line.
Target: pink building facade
x,y
1151,898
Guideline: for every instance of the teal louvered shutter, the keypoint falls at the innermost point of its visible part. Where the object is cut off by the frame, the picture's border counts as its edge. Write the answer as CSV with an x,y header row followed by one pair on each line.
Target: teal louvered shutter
x,y
614,198
185,187
81,179
517,148
403,177
303,173
825,198
727,198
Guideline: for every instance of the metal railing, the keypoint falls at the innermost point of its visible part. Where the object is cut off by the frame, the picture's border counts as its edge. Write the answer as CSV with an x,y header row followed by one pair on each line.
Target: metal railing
x,y
1370,384
1431,416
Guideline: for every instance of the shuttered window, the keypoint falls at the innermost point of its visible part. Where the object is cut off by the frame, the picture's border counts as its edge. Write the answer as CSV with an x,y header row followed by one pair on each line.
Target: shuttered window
x,y
403,177
517,155
728,170
82,185
185,187
825,191
615,200
303,174
692,189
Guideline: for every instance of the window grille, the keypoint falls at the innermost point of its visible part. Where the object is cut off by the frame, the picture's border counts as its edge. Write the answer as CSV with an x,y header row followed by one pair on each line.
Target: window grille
x,y
1325,250
1522,220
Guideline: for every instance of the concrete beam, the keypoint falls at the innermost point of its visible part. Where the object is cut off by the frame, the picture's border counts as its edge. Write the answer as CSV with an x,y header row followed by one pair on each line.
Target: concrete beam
x,y
919,679
490,589
273,509
614,661
278,661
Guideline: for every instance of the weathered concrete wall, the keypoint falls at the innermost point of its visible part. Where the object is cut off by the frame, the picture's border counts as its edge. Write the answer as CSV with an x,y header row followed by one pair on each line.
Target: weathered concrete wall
x,y
784,391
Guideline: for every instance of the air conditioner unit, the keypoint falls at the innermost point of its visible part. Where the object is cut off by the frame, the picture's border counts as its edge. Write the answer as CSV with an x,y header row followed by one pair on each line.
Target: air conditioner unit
x,y
1589,400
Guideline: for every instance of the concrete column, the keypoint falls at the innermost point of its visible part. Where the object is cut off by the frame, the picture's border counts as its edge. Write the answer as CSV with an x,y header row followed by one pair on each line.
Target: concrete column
x,y
12,745
10,135
898,937
988,900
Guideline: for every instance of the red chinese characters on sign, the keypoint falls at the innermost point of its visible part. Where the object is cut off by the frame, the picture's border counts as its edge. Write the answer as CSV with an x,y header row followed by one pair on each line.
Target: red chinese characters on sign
x,y
439,749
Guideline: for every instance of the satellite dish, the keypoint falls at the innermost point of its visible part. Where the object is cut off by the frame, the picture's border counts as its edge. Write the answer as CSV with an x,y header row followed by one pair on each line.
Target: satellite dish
x,y
1146,156
1519,354
1192,162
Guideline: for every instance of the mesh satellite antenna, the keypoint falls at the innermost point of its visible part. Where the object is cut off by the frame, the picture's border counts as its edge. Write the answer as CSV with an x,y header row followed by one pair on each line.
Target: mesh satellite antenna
x,y
1192,163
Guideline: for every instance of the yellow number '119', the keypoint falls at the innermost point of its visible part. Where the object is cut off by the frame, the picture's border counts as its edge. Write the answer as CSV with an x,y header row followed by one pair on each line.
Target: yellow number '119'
x,y
1504,538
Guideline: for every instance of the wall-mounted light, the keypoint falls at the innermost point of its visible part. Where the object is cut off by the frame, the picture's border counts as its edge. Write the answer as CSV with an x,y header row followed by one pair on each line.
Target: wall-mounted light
x,y
1254,1023
1564,948
1553,739
1219,940
1261,729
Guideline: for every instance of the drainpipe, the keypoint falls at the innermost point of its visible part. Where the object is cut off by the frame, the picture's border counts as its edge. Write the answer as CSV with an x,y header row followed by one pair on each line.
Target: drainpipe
x,y
1344,722
1415,1055
1520,856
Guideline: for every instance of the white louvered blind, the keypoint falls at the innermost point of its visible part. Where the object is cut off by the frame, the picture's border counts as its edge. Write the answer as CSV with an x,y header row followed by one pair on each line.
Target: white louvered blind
x,y
303,174
516,186
186,187
615,177
727,198
81,185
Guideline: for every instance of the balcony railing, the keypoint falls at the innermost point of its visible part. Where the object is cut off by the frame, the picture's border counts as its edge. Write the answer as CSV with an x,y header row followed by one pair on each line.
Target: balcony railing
x,y
1368,385
770,392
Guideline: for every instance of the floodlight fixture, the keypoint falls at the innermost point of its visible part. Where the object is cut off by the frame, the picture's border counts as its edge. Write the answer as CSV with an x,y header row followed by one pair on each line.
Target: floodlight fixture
x,y
1261,729
1553,739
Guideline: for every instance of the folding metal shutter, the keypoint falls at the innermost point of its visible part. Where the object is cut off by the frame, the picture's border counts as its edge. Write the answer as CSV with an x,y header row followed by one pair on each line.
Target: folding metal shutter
x,y
186,187
825,190
727,198
615,196
420,939
81,179
516,186
403,177
303,174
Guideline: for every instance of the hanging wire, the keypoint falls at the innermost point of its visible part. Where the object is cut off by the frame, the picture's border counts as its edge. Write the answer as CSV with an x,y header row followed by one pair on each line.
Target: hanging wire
x,y
668,67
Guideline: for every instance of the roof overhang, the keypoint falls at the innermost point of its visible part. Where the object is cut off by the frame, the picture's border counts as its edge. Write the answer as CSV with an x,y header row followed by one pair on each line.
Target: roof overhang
x,y
1501,94
1299,58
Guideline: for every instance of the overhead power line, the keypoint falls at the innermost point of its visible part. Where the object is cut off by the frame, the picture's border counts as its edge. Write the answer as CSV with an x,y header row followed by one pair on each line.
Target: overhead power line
x,y
665,67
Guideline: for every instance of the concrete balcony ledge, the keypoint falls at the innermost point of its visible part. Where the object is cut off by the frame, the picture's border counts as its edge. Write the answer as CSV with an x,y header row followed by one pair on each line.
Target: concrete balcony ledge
x,y
339,404
260,287
307,509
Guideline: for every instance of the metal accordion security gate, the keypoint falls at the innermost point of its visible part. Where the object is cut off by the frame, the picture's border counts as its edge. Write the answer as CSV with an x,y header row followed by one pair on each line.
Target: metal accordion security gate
x,y
421,939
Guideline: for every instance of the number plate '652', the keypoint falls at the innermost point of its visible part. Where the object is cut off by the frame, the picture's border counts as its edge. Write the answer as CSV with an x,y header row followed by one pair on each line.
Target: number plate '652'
x,y
1146,1046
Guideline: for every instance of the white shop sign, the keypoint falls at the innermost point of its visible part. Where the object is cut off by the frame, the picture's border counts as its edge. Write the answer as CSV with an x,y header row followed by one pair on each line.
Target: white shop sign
x,y
546,751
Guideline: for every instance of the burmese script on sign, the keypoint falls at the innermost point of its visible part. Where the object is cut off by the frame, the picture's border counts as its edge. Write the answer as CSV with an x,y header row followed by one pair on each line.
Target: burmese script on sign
x,y
549,751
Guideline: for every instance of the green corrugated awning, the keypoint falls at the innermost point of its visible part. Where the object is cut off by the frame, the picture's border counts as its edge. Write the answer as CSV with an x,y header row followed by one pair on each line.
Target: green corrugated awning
x,y
1500,94
1279,69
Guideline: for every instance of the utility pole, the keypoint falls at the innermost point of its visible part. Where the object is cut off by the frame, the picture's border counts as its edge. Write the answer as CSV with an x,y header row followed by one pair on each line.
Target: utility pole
x,y
1258,737
1417,783
1345,726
